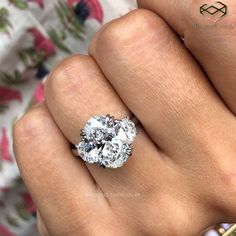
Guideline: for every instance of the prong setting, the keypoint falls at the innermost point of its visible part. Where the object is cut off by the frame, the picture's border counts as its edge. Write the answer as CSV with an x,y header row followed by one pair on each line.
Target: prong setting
x,y
110,119
102,166
82,133
129,151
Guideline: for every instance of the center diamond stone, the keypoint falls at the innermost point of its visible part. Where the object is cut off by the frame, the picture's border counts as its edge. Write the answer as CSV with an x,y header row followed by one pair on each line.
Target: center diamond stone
x,y
107,141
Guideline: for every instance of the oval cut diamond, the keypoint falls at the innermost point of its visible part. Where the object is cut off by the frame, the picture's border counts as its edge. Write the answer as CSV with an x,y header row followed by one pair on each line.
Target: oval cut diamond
x,y
106,141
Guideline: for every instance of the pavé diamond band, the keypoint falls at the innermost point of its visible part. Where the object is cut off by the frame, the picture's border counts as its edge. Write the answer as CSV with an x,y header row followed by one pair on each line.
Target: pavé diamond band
x,y
106,141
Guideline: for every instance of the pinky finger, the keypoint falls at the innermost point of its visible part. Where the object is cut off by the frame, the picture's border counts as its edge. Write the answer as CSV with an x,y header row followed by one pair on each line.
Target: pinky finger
x,y
58,182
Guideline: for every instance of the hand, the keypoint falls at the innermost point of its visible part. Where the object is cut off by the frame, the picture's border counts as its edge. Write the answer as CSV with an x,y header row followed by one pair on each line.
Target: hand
x,y
181,177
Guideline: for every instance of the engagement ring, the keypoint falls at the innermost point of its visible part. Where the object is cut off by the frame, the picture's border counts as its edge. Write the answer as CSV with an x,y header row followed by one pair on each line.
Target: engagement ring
x,y
106,141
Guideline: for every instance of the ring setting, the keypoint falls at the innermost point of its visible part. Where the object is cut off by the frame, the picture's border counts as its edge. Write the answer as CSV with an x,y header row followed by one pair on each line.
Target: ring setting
x,y
107,141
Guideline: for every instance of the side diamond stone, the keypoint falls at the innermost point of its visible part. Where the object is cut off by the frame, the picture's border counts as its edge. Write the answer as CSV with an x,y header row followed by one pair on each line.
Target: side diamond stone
x,y
128,129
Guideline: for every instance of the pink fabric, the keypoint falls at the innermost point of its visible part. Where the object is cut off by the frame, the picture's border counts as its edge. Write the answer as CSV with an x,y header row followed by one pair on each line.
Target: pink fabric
x,y
5,232
8,94
33,38
39,93
4,147
42,43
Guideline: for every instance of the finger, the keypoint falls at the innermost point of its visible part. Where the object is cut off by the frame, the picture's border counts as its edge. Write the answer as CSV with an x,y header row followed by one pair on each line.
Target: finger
x,y
160,82
211,39
76,91
58,183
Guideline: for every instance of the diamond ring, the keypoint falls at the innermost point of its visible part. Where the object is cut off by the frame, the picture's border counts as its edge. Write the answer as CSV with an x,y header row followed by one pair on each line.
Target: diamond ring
x,y
106,141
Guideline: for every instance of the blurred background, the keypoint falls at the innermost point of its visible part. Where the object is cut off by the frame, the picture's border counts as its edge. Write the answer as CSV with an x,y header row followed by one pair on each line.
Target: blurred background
x,y
34,36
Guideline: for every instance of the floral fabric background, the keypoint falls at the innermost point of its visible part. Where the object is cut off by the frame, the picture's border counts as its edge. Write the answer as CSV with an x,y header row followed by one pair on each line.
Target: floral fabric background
x,y
34,36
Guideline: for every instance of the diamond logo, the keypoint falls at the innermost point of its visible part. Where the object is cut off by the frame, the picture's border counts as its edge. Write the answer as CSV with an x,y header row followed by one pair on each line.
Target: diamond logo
x,y
215,11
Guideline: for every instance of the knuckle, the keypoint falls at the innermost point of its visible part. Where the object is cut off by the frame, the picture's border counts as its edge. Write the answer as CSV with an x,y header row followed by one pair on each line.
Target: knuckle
x,y
21,135
65,75
224,180
227,188
29,127
21,127
128,29
28,133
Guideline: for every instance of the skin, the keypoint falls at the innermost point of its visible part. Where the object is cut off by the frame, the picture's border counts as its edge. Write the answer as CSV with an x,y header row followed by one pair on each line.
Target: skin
x,y
181,178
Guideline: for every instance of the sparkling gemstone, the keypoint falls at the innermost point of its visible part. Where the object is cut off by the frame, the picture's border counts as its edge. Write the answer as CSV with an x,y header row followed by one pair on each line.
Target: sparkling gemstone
x,y
106,141
128,130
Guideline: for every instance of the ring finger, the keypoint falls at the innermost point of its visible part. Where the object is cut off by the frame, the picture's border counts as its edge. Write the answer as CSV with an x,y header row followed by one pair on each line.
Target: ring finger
x,y
76,91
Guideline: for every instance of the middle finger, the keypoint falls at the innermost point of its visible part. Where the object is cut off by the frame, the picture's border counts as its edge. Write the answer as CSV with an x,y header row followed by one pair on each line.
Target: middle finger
x,y
76,91
161,83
